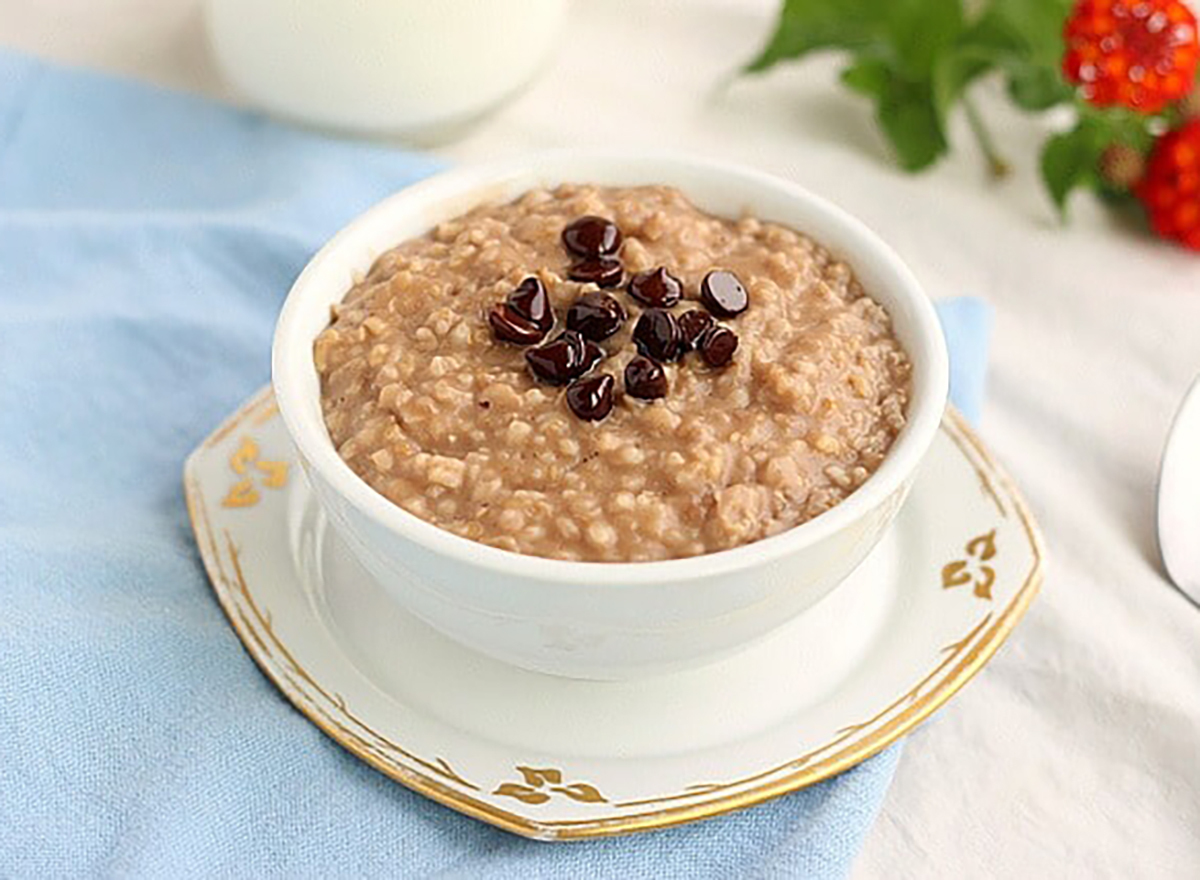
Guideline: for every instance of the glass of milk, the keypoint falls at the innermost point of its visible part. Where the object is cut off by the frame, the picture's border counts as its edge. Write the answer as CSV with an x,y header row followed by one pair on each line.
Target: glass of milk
x,y
420,70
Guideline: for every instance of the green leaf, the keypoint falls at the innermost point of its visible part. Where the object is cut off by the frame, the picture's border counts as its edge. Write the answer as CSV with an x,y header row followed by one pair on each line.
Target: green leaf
x,y
911,111
1072,159
908,115
867,76
1116,124
920,31
1036,26
1037,88
916,58
906,109
1069,161
1024,38
951,75
807,25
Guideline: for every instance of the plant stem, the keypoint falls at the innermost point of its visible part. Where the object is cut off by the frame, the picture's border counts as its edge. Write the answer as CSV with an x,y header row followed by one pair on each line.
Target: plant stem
x,y
996,164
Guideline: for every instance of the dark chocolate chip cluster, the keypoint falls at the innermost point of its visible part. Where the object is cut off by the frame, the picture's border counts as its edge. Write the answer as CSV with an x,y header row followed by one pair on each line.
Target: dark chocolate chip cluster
x,y
526,318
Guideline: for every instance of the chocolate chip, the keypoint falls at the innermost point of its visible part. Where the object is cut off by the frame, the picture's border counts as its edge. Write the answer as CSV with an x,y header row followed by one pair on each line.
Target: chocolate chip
x,y
595,315
723,293
692,325
508,326
645,379
656,335
568,356
656,287
558,361
592,398
601,271
717,346
530,301
592,355
592,237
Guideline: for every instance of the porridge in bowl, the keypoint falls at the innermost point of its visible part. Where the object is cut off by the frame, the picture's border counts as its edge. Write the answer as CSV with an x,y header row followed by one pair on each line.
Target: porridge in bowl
x,y
611,374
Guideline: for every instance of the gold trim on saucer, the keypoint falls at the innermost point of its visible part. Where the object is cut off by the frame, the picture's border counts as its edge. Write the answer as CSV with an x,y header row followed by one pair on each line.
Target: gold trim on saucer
x,y
247,465
435,778
974,569
542,784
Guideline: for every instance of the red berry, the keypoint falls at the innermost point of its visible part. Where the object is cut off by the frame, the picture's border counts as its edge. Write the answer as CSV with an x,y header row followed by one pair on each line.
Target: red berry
x,y
1136,53
1170,189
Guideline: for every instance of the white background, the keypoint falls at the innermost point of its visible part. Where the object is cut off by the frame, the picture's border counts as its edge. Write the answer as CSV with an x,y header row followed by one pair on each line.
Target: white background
x,y
1076,753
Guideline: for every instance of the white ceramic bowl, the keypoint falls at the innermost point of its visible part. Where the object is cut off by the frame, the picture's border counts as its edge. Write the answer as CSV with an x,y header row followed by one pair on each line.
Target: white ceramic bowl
x,y
603,620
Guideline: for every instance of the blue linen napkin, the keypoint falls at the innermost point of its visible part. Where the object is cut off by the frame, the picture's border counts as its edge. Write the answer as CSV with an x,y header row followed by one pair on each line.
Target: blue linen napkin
x,y
146,241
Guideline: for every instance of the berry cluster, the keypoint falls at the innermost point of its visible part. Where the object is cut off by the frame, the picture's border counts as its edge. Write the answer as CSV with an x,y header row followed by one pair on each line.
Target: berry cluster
x,y
1143,55
1170,187
1140,54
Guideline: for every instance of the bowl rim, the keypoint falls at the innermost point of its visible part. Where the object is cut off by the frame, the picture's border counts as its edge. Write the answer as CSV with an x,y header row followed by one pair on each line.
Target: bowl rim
x,y
473,184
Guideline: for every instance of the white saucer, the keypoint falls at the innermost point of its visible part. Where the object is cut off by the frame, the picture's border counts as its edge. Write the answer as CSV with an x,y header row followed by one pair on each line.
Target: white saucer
x,y
557,759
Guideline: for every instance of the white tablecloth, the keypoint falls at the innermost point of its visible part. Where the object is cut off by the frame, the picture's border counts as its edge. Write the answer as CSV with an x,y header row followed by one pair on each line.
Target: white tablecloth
x,y
1077,752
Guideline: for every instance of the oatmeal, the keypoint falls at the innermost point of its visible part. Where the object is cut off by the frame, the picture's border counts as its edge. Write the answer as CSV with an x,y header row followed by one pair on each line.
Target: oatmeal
x,y
610,374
